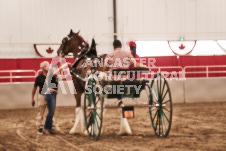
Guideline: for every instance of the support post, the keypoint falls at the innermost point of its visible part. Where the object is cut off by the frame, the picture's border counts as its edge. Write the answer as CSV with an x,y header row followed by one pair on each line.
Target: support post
x,y
115,19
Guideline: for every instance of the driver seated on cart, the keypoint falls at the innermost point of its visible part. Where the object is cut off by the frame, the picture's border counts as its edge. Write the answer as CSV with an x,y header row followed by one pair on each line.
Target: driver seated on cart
x,y
120,59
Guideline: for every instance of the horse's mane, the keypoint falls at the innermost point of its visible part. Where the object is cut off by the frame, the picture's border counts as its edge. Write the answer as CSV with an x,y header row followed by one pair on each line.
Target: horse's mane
x,y
81,38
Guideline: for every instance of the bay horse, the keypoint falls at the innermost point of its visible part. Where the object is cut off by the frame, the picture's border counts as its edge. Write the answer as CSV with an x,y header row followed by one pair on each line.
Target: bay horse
x,y
75,44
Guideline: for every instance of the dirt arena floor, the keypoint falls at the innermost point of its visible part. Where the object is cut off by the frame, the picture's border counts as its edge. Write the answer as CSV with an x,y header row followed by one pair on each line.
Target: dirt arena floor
x,y
200,126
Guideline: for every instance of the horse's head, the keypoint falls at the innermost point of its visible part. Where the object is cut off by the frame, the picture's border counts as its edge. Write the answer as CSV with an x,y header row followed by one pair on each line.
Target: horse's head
x,y
72,43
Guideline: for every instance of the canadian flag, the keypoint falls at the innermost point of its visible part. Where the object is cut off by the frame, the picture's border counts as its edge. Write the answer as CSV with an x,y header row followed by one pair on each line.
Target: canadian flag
x,y
46,50
182,47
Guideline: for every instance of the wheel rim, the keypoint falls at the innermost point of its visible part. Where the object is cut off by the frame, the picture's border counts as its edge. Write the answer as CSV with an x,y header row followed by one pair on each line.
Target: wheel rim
x,y
161,110
93,109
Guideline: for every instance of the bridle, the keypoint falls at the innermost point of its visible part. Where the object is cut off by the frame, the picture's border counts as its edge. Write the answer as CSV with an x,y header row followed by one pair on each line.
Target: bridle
x,y
67,40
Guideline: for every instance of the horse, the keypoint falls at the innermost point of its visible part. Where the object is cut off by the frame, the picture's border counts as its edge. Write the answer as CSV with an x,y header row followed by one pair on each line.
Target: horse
x,y
74,43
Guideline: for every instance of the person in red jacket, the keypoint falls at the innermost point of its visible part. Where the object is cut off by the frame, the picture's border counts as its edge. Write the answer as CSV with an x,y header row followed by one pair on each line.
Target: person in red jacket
x,y
133,48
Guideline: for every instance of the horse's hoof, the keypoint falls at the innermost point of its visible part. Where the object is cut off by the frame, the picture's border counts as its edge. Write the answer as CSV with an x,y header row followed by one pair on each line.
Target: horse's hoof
x,y
72,131
124,133
86,133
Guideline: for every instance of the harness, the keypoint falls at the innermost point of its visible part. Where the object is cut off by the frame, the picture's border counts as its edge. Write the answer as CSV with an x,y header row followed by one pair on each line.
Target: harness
x,y
89,54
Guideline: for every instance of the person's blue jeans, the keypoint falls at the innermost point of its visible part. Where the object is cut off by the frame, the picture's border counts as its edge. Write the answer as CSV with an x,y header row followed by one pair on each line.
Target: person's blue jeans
x,y
51,105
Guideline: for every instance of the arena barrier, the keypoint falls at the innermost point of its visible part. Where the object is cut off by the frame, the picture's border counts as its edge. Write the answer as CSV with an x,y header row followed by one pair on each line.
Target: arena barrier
x,y
18,95
205,90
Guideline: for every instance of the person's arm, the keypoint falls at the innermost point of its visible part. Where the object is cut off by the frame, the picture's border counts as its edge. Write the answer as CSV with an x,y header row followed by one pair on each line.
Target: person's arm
x,y
55,72
36,84
134,62
33,95
68,65
137,64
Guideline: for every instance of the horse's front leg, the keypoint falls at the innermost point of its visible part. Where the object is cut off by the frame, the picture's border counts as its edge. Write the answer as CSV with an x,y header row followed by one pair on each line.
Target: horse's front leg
x,y
79,116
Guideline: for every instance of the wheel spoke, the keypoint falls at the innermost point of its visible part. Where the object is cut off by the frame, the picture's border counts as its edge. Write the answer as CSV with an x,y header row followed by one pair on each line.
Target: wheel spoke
x,y
156,90
98,115
97,123
157,87
163,124
96,100
165,109
160,85
163,87
156,123
166,102
165,94
88,115
159,124
154,96
90,120
155,115
166,117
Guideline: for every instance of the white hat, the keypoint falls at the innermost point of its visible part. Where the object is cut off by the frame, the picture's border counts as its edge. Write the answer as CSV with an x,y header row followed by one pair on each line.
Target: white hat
x,y
42,64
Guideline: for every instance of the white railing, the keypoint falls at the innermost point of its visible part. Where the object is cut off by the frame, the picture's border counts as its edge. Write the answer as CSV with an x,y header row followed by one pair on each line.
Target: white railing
x,y
160,69
167,71
207,70
11,76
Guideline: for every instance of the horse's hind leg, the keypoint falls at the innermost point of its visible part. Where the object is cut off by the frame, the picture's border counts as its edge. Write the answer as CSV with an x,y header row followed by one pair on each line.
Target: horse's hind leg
x,y
124,126
79,116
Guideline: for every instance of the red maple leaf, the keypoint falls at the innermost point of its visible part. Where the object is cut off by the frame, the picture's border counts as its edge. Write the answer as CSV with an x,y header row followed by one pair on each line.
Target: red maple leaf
x,y
49,50
181,47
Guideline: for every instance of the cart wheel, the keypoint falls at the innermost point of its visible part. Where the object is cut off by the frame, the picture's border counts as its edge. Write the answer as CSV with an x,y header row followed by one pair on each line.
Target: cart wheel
x,y
161,102
93,108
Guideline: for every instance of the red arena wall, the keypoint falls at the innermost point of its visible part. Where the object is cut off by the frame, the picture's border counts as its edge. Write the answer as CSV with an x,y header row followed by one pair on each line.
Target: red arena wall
x,y
163,61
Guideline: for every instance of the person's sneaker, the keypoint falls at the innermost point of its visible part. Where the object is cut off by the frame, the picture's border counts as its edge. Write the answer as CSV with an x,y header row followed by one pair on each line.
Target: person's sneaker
x,y
49,132
52,131
40,131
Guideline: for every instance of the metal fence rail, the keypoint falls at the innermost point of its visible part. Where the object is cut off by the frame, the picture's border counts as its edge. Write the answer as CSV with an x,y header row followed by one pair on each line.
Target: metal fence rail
x,y
11,76
186,72
216,69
